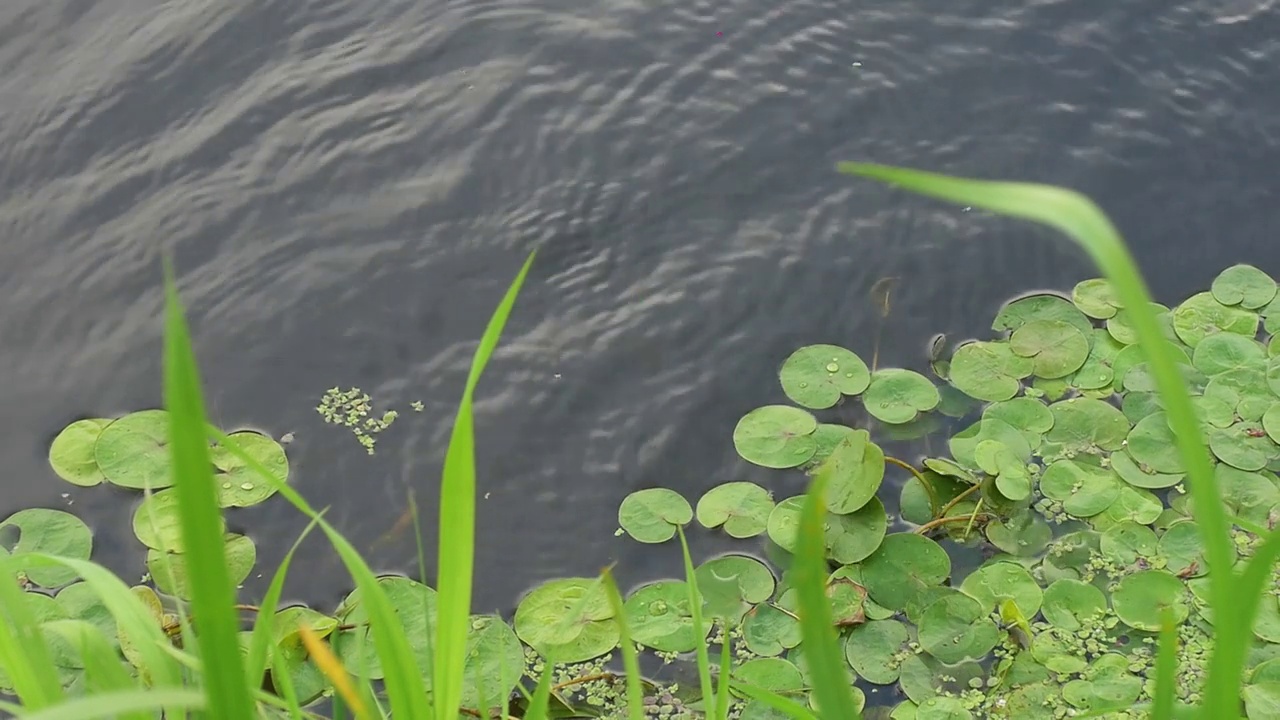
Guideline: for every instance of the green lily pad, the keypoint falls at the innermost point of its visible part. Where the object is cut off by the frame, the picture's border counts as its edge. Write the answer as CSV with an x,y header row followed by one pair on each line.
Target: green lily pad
x,y
1084,490
1244,445
80,600
51,532
857,469
741,508
784,522
1131,472
1120,326
659,617
1096,298
652,515
852,538
1249,495
1127,542
989,371
156,522
237,484
731,584
1221,352
495,661
1040,307
1029,415
133,452
997,581
72,453
1056,348
1262,700
1022,534
768,630
1201,315
1152,445
1183,549
1098,371
1140,598
914,503
897,396
356,646
817,376
964,444
1012,478
871,649
1132,503
169,570
1084,425
1244,285
1072,605
957,627
776,436
569,619
903,566
827,437
773,674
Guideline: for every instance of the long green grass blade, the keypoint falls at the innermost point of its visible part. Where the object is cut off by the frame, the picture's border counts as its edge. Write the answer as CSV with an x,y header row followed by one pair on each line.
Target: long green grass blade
x,y
264,624
724,678
23,651
1078,217
212,593
113,704
630,658
456,546
831,682
695,611
1166,668
784,705
540,703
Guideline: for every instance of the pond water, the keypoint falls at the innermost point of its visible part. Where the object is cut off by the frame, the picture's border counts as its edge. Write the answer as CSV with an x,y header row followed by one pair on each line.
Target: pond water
x,y
349,185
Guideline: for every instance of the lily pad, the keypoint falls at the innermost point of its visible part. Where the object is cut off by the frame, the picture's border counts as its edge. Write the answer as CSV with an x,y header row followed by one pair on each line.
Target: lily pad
x,y
1084,490
237,484
51,532
1029,415
871,649
413,602
1073,605
989,371
72,453
772,674
852,538
169,570
1022,534
1012,478
1120,326
1201,315
776,436
957,627
897,396
652,515
817,376
857,469
784,522
1244,445
741,508
1040,307
569,620
1222,352
1244,285
1085,425
964,444
1000,580
1131,472
659,617
731,584
156,522
1132,503
1249,495
903,566
1096,298
942,708
1098,371
1056,348
1152,445
1183,549
768,630
1139,599
827,437
133,452
495,660
1127,542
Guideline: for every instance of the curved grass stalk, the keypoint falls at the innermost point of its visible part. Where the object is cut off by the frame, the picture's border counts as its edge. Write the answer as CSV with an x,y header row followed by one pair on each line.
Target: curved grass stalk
x,y
1078,217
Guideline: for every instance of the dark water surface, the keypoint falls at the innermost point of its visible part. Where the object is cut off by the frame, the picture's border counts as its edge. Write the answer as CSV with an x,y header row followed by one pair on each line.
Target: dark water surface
x,y
350,185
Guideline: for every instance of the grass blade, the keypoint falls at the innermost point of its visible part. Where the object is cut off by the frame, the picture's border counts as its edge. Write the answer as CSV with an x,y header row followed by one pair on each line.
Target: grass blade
x,y
112,704
541,700
630,659
1166,668
1078,217
722,681
212,593
332,669
784,705
695,610
831,683
264,624
23,651
456,546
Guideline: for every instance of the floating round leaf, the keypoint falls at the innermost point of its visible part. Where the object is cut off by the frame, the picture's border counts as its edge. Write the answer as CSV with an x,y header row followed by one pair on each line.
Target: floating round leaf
x,y
989,370
1120,326
569,620
826,437
1084,490
957,627
1056,348
1244,445
72,453
1140,599
817,375
1183,550
769,630
1262,699
495,661
1072,604
1098,371
1221,352
1127,542
872,647
1152,445
169,570
1023,534
776,436
942,708
1249,495
237,484
1096,298
772,674
1029,415
784,522
742,508
1132,503
51,532
856,469
133,451
651,515
156,522
896,396
733,580
1134,474
355,645
1244,285
1012,478
659,617
1085,425
964,444
852,538
999,580
1040,307
919,505
1202,315
904,565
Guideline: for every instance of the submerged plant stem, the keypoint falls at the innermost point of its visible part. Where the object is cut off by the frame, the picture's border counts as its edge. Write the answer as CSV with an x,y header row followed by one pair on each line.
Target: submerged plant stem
x,y
928,487
939,522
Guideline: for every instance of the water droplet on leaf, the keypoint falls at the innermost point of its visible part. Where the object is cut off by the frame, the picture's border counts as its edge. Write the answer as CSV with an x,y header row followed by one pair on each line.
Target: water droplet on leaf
x,y
833,367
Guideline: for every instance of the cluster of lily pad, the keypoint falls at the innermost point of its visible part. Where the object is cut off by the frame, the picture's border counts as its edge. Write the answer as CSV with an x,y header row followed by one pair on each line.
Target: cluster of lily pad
x,y
1063,473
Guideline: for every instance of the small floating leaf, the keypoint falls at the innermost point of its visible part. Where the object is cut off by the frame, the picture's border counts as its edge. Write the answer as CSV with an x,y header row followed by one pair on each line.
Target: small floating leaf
x,y
540,620
169,570
998,580
852,538
741,508
903,566
52,532
1244,445
1040,307
133,452
776,436
896,396
1096,298
1085,425
872,649
1056,348
1244,285
72,453
1072,604
857,469
246,487
989,371
1151,444
1221,352
1139,599
817,375
156,522
1202,315
1084,490
957,627
651,515
659,617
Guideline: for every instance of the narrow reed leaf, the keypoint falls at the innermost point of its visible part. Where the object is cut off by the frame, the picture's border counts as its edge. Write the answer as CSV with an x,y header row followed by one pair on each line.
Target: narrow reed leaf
x,y
1166,668
723,681
264,624
332,669
456,546
1078,217
630,658
695,611
212,593
114,704
23,651
539,704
